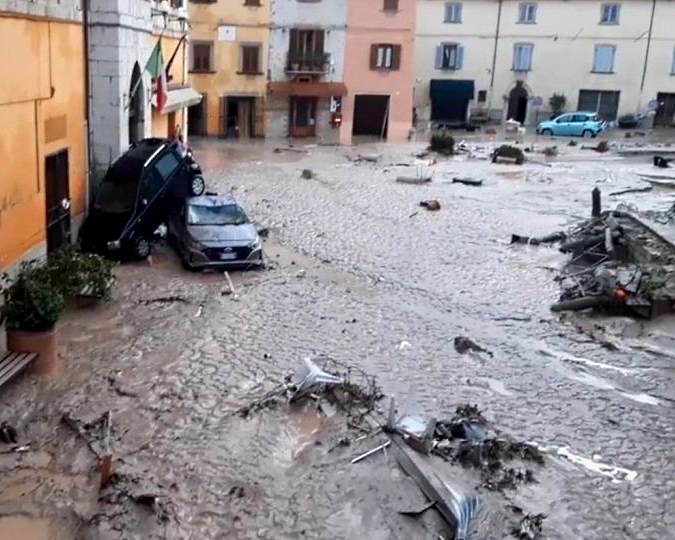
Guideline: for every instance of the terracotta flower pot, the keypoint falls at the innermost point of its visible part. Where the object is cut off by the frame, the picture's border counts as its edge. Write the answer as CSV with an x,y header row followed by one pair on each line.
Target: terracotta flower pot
x,y
43,343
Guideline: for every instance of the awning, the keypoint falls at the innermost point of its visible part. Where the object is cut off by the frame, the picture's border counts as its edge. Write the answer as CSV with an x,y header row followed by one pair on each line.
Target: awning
x,y
451,90
179,98
308,89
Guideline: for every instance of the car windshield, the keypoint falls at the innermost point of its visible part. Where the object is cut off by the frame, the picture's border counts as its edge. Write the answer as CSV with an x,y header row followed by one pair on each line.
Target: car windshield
x,y
227,214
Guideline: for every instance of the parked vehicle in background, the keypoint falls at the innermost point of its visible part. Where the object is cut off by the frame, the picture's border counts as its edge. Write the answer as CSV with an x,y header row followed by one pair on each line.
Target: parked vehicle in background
x,y
138,193
213,231
575,124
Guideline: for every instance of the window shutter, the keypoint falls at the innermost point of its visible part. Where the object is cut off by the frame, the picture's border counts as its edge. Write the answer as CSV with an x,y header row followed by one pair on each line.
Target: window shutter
x,y
318,44
460,58
438,62
294,41
396,57
528,57
373,56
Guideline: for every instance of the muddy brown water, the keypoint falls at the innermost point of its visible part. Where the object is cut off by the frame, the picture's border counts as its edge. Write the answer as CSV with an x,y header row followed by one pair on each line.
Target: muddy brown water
x,y
353,277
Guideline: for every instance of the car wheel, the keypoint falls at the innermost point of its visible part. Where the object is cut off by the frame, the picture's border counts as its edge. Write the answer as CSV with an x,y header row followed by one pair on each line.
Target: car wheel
x,y
197,185
187,265
547,132
587,134
141,248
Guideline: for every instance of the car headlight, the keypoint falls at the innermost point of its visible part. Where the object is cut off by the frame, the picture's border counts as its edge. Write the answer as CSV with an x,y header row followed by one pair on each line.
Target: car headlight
x,y
255,245
114,245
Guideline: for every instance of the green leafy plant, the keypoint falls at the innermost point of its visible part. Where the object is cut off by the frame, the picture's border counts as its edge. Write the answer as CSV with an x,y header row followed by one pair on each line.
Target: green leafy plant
x,y
32,301
76,273
557,102
442,142
509,151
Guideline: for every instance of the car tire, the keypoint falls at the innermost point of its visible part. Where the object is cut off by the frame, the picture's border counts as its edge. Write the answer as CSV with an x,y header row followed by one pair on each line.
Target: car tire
x,y
587,134
547,132
141,248
197,185
185,263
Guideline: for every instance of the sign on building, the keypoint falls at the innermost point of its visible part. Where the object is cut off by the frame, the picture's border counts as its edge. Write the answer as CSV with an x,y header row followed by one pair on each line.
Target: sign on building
x,y
227,33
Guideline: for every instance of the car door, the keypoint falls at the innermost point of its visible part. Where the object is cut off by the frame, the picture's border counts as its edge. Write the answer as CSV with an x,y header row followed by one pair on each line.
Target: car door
x,y
562,125
577,125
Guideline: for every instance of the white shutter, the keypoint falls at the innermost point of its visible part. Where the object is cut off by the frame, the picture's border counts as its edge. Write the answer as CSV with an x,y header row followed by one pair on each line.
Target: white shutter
x,y
438,63
459,64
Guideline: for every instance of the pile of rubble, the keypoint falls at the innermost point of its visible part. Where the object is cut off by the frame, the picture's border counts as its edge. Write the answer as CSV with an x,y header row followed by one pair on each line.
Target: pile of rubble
x,y
618,264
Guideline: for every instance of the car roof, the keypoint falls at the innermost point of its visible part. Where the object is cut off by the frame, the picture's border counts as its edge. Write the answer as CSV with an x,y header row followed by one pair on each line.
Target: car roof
x,y
211,200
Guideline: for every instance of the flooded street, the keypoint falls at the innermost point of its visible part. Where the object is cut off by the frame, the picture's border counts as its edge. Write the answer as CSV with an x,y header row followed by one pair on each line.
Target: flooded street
x,y
360,273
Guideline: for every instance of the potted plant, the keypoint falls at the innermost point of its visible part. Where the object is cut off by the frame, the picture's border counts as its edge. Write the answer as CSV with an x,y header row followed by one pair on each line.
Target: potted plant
x,y
557,102
32,305
85,277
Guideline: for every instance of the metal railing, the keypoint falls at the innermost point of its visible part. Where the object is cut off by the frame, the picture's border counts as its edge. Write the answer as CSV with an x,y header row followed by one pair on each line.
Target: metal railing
x,y
308,62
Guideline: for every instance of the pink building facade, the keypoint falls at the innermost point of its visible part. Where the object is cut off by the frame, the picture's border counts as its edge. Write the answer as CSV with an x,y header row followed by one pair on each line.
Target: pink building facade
x,y
379,70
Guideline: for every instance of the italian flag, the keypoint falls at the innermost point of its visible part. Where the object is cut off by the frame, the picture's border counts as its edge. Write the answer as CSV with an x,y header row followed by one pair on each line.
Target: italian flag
x,y
155,67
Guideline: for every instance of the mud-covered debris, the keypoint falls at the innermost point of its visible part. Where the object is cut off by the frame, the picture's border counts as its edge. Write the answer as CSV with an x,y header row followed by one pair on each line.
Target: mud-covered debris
x,y
263,232
432,205
161,505
464,345
310,380
530,526
550,151
662,163
467,182
381,447
8,433
548,239
164,300
308,174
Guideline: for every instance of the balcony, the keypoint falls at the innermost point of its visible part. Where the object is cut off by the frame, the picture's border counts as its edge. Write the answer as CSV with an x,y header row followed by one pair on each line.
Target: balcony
x,y
307,62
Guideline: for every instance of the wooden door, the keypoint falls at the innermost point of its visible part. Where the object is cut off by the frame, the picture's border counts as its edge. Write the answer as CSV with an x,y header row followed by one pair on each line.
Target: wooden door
x,y
57,200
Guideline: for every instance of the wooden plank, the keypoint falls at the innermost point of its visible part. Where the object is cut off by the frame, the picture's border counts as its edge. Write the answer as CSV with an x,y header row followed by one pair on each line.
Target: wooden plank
x,y
8,362
18,362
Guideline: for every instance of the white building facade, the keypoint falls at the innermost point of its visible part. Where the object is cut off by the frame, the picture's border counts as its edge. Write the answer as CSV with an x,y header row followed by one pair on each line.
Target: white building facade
x,y
306,67
122,35
502,59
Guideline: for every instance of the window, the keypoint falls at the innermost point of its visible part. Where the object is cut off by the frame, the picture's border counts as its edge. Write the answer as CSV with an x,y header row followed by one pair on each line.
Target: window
x,y
252,3
609,14
453,12
603,60
522,56
482,96
385,57
449,56
527,13
250,59
201,57
390,5
166,165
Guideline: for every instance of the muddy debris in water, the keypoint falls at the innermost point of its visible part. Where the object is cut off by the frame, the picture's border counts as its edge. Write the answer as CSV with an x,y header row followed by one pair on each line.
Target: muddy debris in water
x,y
164,300
464,345
529,526
8,433
432,205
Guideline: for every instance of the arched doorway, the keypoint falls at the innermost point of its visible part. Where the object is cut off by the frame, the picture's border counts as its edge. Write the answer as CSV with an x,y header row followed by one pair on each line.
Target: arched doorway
x,y
518,103
136,106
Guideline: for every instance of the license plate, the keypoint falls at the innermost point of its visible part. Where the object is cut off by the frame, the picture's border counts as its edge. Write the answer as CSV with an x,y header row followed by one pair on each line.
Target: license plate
x,y
228,256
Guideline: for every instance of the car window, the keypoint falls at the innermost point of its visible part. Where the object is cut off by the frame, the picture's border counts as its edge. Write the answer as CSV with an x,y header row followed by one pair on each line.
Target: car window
x,y
166,165
579,118
228,214
116,195
563,119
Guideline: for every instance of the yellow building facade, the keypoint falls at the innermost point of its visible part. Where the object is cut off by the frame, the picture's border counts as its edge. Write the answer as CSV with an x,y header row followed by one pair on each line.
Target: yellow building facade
x,y
227,61
43,137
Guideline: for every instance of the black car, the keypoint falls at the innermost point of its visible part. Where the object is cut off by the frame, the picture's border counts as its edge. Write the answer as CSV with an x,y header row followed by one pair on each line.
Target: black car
x,y
214,232
138,193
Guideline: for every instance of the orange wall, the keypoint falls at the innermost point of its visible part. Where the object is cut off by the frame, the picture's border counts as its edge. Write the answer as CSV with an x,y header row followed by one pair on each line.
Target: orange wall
x,y
25,105
160,122
367,24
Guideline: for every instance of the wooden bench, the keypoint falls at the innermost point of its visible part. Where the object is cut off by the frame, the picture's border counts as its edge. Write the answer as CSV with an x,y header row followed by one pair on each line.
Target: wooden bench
x,y
12,363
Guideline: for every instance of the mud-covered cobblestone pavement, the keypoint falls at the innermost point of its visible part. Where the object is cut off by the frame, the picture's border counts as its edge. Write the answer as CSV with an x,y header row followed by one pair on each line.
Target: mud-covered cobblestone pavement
x,y
359,272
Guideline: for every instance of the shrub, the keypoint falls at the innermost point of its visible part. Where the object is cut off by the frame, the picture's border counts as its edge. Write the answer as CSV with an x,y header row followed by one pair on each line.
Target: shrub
x,y
557,102
442,142
511,152
74,272
32,301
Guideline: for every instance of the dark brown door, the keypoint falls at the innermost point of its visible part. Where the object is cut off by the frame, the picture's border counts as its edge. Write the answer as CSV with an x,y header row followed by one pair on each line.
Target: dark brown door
x,y
57,200
665,113
303,117
518,104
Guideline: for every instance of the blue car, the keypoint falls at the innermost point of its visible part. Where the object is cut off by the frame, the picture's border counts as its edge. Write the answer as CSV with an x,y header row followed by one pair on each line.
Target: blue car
x,y
575,124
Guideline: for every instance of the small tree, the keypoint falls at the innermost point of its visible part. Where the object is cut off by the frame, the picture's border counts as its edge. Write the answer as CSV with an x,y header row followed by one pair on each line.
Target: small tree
x,y
557,103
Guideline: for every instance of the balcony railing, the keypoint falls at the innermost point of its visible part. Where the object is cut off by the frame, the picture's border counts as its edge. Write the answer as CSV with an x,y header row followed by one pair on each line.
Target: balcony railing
x,y
308,62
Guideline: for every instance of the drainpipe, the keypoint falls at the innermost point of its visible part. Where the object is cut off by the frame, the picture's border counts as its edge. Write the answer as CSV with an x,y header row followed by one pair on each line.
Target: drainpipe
x,y
649,43
87,102
494,56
